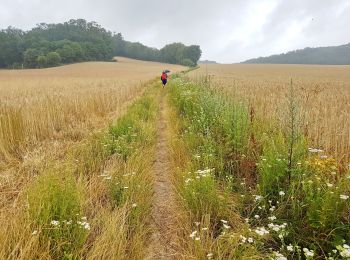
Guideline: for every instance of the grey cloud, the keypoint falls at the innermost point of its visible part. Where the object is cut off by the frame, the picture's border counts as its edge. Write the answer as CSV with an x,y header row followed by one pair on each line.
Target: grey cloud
x,y
227,30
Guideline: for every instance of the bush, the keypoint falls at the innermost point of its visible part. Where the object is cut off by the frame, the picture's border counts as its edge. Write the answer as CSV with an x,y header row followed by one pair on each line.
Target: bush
x,y
53,59
42,61
30,58
188,63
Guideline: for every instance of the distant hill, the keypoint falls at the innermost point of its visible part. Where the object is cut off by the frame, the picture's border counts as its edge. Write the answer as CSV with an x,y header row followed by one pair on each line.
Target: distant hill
x,y
49,45
334,55
207,62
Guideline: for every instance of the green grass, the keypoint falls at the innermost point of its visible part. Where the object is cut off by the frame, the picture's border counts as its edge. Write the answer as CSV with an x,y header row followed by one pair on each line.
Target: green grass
x,y
298,196
71,204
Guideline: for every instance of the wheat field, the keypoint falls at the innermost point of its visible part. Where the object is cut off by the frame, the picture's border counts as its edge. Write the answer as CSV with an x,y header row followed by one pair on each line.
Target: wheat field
x,y
63,102
43,112
322,95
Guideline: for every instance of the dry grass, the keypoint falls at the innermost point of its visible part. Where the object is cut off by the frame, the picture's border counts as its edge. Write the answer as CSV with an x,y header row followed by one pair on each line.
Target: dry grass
x,y
42,112
88,178
65,102
45,114
323,93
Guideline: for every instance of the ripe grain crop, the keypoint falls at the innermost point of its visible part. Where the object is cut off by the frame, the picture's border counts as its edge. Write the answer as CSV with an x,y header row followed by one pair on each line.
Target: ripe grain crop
x,y
64,102
322,94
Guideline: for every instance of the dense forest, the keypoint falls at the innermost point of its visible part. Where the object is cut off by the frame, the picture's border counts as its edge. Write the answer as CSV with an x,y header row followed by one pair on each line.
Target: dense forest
x,y
49,45
335,55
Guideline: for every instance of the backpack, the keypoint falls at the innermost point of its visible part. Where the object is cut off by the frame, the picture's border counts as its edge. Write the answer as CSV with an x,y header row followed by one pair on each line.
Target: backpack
x,y
164,76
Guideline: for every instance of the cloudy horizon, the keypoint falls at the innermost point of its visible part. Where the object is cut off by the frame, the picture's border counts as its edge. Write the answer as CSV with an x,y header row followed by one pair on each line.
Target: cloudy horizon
x,y
227,31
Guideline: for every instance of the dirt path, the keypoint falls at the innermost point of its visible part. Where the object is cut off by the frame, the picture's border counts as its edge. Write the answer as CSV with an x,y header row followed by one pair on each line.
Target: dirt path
x,y
162,242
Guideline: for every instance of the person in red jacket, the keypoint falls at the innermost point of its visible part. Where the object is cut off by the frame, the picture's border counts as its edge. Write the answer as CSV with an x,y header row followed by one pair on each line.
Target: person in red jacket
x,y
164,78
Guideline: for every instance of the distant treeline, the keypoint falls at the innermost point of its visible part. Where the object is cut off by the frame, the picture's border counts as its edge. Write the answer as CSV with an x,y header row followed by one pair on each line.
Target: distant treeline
x,y
335,55
49,45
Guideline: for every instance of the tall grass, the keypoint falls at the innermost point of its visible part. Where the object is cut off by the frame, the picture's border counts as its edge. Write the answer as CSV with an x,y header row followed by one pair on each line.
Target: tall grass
x,y
323,92
294,199
95,202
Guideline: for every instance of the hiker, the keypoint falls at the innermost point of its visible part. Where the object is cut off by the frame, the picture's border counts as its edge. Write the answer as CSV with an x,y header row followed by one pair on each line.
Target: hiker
x,y
164,78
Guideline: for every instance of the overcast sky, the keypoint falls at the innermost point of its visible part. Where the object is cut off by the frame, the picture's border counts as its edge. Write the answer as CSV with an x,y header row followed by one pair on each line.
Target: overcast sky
x,y
227,30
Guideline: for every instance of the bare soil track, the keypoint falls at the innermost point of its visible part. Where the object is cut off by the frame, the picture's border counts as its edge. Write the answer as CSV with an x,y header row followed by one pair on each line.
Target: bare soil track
x,y
163,239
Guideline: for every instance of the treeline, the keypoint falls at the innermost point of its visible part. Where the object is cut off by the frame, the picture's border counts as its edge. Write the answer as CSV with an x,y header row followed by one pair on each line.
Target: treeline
x,y
335,55
49,45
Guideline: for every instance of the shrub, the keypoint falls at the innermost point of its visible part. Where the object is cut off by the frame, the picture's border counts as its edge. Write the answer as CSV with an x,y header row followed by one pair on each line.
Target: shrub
x,y
42,61
53,59
188,63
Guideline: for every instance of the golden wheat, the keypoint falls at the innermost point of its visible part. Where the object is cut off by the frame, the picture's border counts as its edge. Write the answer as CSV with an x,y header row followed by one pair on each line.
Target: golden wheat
x,y
323,95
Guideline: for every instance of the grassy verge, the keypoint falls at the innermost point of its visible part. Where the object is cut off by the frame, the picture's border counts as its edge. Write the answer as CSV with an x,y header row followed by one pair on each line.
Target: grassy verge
x,y
211,226
95,204
252,187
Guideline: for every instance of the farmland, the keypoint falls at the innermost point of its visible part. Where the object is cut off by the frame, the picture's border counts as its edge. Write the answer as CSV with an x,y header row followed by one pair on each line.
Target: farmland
x,y
98,161
51,127
322,93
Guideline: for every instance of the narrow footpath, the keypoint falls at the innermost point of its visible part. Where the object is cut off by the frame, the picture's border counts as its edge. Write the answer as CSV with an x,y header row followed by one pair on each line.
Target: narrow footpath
x,y
163,239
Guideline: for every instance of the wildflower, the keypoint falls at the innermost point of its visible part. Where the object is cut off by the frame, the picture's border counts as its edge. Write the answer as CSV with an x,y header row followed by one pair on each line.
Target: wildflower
x,y
261,231
290,248
226,226
84,223
224,221
281,193
197,223
308,253
35,232
257,197
276,227
272,218
272,208
86,226
134,205
330,185
256,216
197,238
126,187
344,197
344,250
279,256
55,223
315,150
250,240
193,234
243,239
246,220
210,255
188,180
205,228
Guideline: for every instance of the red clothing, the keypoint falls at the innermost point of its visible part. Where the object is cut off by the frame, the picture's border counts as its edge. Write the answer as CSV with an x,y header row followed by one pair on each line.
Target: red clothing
x,y
164,76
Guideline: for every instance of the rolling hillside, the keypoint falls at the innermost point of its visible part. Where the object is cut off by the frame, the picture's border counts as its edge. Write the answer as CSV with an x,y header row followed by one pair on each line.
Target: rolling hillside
x,y
334,55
